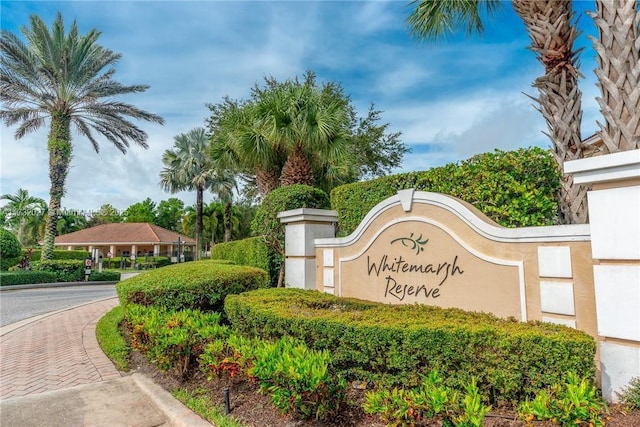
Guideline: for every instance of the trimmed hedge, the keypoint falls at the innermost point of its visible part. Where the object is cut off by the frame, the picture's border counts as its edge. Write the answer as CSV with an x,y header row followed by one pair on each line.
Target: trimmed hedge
x,y
513,188
27,277
198,285
397,344
6,263
66,270
252,252
105,276
59,254
160,261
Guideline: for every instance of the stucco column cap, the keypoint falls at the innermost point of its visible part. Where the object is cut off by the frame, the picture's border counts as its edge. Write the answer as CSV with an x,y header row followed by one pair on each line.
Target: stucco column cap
x,y
609,167
308,214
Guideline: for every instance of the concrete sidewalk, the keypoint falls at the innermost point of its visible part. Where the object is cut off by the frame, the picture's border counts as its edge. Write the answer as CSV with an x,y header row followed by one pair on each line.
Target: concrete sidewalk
x,y
53,373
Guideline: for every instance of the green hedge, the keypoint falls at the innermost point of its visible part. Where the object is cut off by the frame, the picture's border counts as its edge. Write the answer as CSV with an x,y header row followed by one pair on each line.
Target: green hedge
x,y
396,344
27,277
160,261
252,252
59,254
66,270
105,276
198,285
514,188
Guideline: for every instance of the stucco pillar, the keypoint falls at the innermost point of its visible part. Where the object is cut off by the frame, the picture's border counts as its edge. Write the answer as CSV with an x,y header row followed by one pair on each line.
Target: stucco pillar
x,y
302,227
614,217
134,251
69,248
156,250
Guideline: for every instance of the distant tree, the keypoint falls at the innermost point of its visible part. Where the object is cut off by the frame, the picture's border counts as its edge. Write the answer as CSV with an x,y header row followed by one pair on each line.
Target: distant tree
x,y
170,213
20,208
107,214
68,79
70,221
188,166
144,211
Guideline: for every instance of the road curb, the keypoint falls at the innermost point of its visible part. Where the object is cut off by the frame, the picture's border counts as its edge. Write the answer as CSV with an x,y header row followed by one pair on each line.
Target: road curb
x,y
178,414
54,285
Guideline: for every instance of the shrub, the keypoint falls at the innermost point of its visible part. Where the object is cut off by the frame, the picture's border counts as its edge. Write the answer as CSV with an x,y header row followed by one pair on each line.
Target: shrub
x,y
65,270
569,403
252,252
60,255
514,188
201,285
27,277
267,224
115,262
300,381
430,401
630,395
397,344
172,339
9,244
104,276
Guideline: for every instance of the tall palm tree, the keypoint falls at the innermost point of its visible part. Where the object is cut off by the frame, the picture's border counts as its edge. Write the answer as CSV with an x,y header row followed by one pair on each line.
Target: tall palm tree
x,y
222,186
66,78
20,208
552,31
188,166
618,48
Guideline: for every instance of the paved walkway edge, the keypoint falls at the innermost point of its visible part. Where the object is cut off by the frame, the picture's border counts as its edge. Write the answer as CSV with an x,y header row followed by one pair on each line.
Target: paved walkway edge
x,y
173,409
17,325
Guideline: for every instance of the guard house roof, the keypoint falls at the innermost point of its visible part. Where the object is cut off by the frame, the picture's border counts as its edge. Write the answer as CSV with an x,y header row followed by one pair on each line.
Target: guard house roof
x,y
134,233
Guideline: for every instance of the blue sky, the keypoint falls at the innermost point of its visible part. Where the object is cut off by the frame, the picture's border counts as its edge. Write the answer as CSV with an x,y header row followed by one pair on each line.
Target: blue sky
x,y
450,100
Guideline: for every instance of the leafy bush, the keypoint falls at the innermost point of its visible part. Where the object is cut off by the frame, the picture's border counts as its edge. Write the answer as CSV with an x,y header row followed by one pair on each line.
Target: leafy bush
x,y
9,245
266,222
105,276
267,225
431,401
8,262
630,395
65,270
514,188
252,252
201,285
27,277
569,403
172,339
299,380
397,344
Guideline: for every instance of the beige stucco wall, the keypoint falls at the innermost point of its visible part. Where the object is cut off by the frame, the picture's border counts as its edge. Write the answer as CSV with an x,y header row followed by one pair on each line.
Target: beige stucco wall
x,y
452,260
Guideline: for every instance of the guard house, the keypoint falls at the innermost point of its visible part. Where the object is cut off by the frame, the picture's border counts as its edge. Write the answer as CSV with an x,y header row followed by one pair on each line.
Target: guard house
x,y
127,239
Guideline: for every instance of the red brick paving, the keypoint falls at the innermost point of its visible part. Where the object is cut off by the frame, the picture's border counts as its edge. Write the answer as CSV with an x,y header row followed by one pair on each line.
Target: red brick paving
x,y
55,352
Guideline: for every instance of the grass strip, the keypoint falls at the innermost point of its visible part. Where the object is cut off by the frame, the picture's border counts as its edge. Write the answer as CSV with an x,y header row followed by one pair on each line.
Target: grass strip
x,y
111,340
200,402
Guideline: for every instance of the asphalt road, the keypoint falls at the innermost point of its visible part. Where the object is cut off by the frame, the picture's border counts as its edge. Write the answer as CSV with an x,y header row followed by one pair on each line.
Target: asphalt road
x,y
16,305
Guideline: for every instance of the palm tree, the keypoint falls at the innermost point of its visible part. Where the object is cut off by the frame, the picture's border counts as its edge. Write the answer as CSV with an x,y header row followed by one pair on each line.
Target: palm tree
x,y
240,143
618,49
188,166
222,186
290,132
552,30
20,208
66,78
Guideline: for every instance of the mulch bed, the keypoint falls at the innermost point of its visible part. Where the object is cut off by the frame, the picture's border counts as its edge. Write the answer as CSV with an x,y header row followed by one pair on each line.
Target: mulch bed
x,y
254,409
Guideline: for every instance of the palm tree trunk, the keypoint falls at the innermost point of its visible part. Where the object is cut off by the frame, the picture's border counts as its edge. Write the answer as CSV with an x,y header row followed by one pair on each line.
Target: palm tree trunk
x,y
267,181
227,221
199,192
60,148
296,169
552,34
618,73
